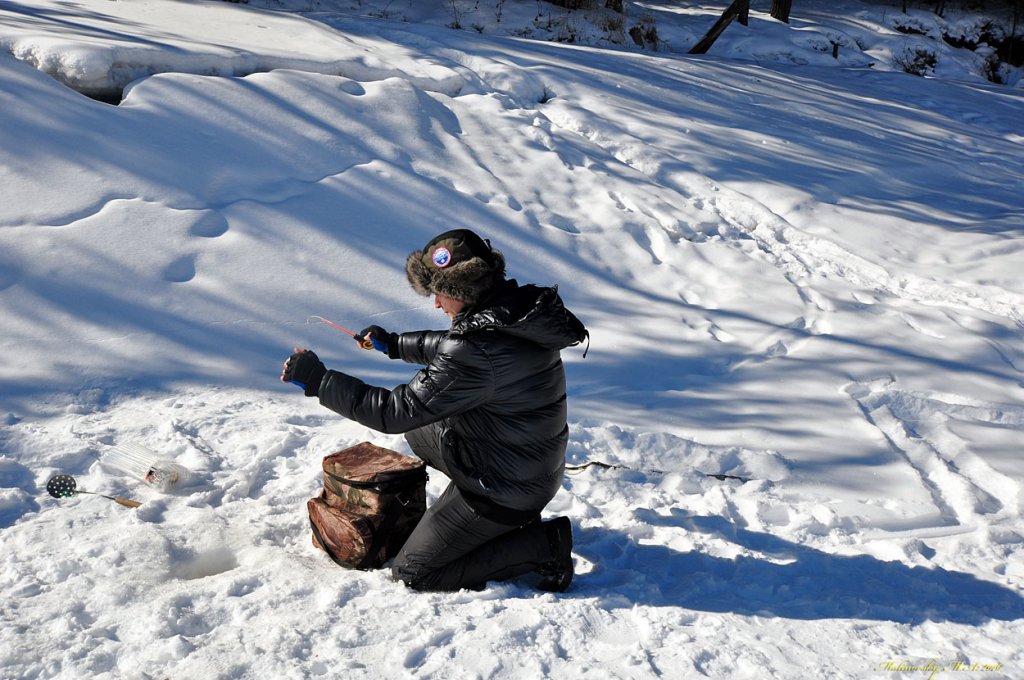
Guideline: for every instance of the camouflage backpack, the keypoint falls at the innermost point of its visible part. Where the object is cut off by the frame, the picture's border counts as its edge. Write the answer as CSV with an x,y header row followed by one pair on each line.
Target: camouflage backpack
x,y
372,500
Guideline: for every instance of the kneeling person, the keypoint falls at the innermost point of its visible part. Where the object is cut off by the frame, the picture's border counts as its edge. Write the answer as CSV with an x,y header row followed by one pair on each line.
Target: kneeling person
x,y
488,409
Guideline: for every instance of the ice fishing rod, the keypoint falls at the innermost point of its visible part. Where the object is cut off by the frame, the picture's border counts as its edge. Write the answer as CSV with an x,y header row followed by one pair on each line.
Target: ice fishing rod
x,y
573,469
364,342
64,486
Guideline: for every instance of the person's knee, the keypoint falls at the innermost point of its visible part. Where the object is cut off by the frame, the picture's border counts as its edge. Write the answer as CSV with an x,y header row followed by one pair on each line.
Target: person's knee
x,y
412,576
399,568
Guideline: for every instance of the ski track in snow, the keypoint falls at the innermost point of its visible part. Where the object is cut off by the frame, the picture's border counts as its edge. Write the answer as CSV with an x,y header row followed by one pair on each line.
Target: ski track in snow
x,y
964,487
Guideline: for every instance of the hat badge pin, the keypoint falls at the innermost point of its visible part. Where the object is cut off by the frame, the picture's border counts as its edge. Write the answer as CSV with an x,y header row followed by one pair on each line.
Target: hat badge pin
x,y
442,257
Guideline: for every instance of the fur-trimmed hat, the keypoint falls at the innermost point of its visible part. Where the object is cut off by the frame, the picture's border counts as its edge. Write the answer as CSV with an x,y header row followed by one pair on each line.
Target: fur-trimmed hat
x,y
458,264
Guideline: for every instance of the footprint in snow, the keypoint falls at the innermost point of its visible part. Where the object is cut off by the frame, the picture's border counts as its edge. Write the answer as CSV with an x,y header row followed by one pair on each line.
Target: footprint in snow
x,y
563,224
210,225
180,270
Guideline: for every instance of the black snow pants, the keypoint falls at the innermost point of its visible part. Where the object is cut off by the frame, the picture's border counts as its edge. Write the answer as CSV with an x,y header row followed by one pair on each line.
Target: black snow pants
x,y
455,547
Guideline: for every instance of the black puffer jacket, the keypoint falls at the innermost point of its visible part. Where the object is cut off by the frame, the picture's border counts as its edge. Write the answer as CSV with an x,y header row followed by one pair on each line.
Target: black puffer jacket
x,y
492,390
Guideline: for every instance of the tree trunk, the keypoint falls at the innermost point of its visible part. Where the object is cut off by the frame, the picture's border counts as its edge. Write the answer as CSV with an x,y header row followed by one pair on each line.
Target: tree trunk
x,y
780,9
1018,14
739,9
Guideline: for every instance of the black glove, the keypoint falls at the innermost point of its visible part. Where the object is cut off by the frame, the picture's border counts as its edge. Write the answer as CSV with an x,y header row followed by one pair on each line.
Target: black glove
x,y
381,339
305,370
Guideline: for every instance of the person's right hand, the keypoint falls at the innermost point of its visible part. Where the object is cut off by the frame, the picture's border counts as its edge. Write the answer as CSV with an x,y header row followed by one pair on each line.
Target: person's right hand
x,y
304,368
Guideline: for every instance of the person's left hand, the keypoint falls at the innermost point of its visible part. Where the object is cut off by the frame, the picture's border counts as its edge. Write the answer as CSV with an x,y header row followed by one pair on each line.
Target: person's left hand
x,y
304,368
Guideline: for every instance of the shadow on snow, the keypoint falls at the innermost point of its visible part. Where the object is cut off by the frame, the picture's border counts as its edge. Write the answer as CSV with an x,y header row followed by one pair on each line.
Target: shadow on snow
x,y
790,580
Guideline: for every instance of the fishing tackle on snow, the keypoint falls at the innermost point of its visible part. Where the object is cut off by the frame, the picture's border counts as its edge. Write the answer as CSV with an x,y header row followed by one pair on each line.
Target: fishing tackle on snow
x,y
364,342
64,486
139,462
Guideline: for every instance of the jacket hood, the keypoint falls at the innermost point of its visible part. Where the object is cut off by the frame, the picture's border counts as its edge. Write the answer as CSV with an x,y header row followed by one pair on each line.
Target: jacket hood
x,y
531,312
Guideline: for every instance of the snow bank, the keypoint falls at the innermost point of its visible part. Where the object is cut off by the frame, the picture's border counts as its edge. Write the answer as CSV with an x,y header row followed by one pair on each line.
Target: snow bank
x,y
97,49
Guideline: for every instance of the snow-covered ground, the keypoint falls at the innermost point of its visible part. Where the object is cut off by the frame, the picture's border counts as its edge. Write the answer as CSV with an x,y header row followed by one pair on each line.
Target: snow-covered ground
x,y
797,269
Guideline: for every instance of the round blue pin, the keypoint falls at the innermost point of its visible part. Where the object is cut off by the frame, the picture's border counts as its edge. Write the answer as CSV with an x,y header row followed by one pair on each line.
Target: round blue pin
x,y
442,257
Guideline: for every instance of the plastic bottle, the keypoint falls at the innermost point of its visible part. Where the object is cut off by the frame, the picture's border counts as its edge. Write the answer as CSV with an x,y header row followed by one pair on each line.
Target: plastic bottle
x,y
139,462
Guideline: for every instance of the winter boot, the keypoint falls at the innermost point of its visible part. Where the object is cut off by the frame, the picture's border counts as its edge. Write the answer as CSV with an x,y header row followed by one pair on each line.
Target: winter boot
x,y
556,575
